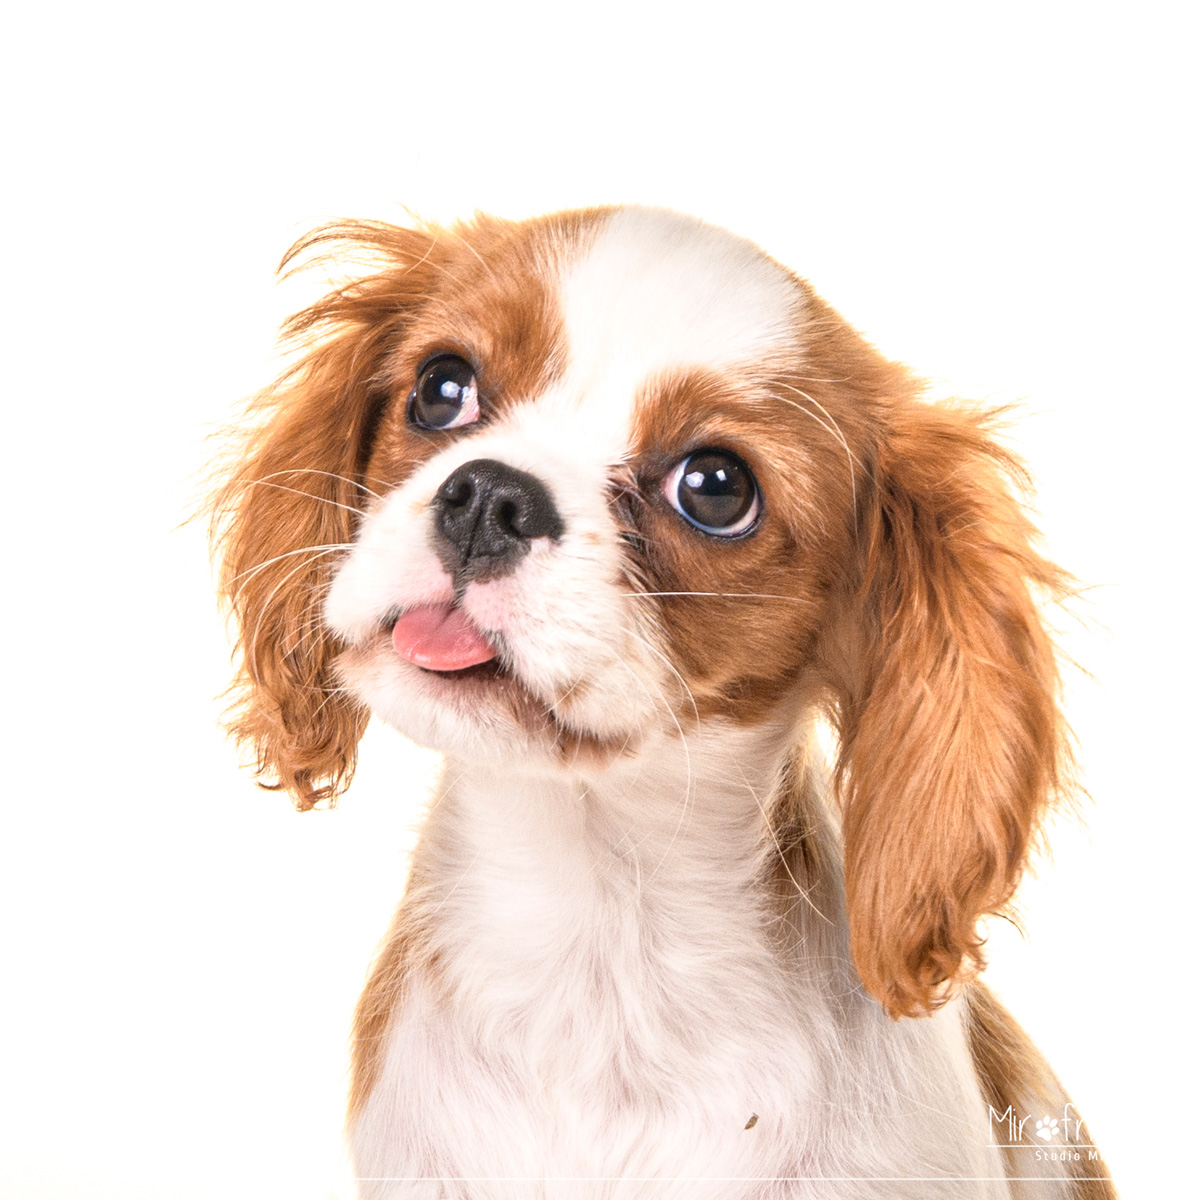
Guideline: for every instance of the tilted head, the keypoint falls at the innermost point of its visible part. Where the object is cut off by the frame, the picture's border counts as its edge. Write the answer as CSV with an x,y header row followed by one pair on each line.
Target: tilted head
x,y
550,492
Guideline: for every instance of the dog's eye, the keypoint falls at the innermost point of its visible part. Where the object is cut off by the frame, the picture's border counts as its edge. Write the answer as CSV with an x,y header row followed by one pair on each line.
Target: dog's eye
x,y
446,395
714,491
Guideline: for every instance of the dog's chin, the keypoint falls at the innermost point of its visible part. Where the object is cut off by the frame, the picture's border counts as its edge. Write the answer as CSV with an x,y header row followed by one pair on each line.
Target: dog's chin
x,y
484,712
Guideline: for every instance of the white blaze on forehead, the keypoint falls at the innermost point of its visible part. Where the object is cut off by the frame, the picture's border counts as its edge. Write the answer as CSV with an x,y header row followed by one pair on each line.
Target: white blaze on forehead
x,y
656,291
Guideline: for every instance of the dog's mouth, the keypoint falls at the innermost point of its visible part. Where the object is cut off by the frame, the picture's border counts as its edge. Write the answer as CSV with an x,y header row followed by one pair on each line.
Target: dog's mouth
x,y
443,643
481,671
441,638
472,674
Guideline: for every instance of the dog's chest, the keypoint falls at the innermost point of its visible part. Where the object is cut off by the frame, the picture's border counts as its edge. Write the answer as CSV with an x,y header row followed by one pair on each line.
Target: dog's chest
x,y
599,1020
598,1082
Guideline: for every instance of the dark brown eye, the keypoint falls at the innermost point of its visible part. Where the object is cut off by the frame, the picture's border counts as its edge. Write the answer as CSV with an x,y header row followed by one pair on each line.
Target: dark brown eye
x,y
714,491
446,395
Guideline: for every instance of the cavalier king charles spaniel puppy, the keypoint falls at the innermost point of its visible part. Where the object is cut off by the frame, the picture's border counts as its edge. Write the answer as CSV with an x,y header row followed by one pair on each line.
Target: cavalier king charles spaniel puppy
x,y
732,644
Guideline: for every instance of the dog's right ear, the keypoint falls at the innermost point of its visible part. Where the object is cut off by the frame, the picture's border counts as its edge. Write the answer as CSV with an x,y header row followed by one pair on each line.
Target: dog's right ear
x,y
289,503
953,747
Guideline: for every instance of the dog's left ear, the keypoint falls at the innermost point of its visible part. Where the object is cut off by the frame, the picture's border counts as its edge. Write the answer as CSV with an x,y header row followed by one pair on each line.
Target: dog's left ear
x,y
289,504
952,743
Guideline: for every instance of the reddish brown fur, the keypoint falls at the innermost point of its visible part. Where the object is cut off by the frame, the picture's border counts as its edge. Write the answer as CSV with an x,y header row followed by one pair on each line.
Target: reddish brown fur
x,y
767,590
913,610
945,691
490,304
298,484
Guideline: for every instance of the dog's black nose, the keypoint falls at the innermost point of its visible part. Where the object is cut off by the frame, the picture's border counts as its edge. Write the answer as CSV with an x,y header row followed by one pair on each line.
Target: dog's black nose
x,y
487,515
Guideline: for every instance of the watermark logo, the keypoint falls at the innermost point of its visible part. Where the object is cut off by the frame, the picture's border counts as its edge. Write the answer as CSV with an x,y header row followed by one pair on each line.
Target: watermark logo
x,y
1051,1137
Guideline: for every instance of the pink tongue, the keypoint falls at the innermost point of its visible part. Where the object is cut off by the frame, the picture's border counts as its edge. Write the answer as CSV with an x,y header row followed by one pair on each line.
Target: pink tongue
x,y
439,637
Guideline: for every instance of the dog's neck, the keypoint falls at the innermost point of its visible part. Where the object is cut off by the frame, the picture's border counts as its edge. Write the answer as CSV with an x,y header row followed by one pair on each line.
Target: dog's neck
x,y
680,804
663,862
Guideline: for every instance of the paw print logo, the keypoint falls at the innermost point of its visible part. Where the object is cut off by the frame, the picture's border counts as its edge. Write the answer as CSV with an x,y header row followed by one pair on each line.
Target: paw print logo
x,y
1047,1128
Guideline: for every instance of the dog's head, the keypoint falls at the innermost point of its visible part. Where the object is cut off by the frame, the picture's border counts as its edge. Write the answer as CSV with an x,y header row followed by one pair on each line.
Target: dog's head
x,y
550,492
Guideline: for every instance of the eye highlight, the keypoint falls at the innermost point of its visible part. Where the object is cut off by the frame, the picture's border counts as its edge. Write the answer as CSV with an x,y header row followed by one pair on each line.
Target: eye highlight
x,y
714,491
446,395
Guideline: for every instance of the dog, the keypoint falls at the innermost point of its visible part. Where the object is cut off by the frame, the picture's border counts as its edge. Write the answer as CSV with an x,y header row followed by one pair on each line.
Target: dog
x,y
733,645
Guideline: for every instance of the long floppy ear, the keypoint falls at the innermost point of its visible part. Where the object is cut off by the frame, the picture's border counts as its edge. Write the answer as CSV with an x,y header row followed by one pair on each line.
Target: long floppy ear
x,y
952,742
290,502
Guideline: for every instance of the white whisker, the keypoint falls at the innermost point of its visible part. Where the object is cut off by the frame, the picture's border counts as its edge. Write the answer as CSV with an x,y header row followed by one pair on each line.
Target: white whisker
x,y
685,808
316,551
727,596
832,428
358,512
801,891
328,474
252,642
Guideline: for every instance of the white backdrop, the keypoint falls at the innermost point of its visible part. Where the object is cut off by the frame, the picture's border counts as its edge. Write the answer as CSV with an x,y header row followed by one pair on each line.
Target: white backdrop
x,y
1002,197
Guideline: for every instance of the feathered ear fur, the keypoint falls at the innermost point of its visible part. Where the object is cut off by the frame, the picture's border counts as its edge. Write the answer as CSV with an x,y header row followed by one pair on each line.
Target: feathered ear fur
x,y
952,743
291,501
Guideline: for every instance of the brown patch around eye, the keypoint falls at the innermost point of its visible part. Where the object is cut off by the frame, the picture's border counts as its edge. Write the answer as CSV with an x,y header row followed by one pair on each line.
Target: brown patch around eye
x,y
495,305
739,613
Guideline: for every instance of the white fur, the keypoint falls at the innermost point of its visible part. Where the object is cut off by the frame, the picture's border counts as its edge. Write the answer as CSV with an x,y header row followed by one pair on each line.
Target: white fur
x,y
657,291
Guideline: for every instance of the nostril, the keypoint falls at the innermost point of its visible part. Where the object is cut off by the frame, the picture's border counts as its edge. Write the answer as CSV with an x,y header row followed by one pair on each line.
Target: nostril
x,y
459,494
507,516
